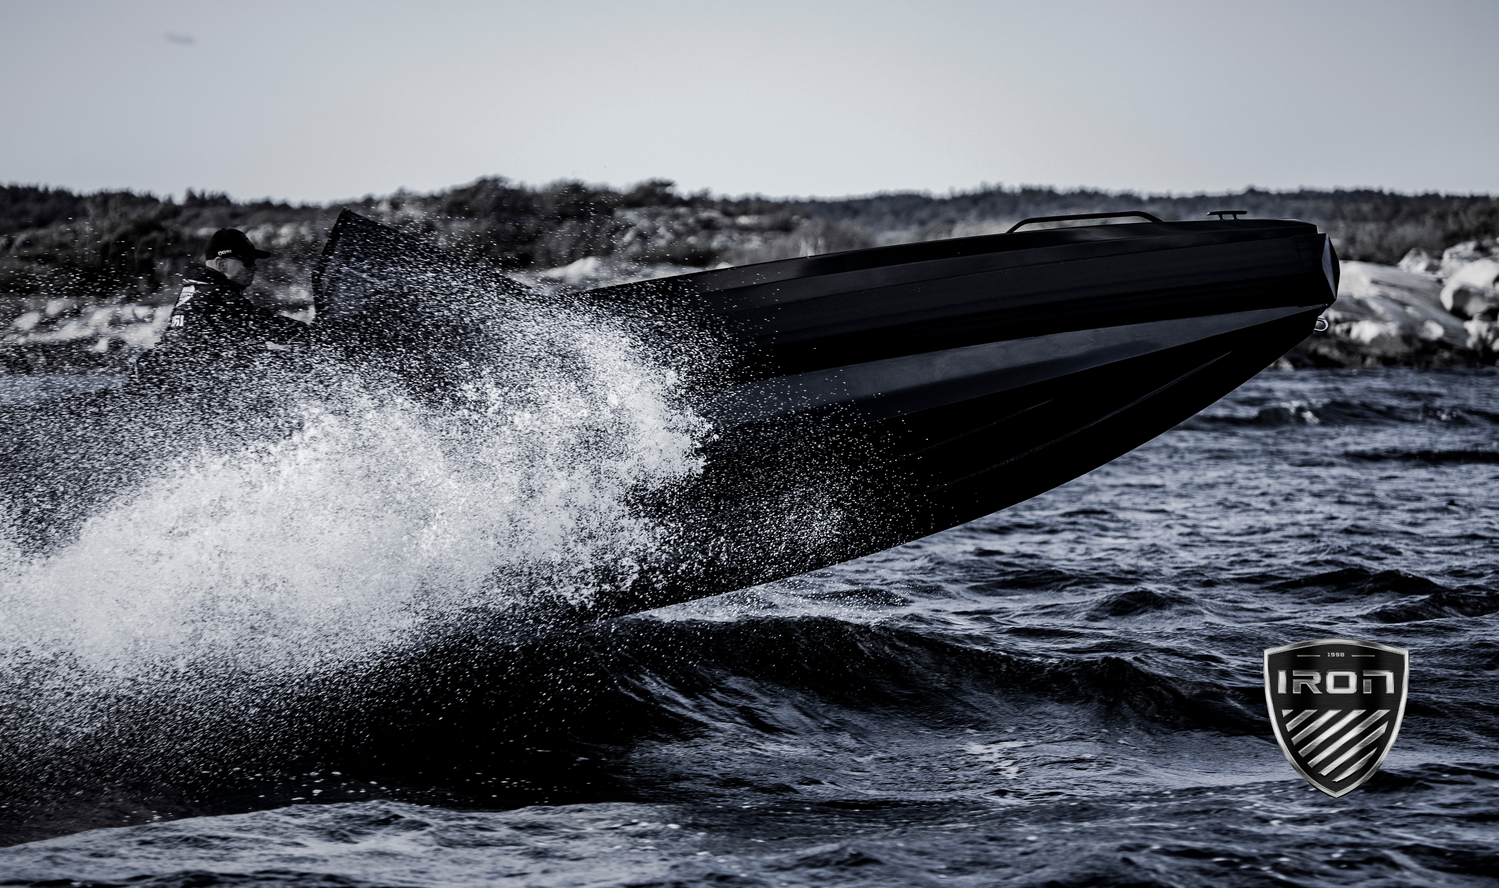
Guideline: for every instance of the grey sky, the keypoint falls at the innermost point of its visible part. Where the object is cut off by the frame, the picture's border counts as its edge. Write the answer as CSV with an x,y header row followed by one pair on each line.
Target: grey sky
x,y
318,101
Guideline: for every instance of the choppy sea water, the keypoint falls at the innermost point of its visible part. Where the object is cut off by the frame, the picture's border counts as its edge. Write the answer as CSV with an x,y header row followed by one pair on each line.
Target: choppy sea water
x,y
1064,693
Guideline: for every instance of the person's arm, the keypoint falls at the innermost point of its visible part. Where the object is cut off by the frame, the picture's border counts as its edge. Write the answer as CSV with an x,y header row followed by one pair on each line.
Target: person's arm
x,y
276,327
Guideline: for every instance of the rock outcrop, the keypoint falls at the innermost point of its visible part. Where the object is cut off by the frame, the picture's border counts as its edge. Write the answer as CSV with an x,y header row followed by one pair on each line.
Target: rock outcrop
x,y
1429,311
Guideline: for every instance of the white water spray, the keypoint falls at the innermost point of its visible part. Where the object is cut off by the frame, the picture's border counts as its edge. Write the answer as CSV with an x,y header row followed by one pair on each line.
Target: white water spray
x,y
247,568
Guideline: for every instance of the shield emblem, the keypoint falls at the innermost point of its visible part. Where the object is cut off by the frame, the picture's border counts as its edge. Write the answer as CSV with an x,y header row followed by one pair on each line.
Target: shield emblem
x,y
1336,705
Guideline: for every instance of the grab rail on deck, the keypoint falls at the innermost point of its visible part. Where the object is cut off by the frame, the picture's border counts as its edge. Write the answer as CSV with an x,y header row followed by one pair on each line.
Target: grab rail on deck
x,y
1076,216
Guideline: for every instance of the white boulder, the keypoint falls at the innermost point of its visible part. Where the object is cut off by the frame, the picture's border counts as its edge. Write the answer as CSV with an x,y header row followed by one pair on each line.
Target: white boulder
x,y
1472,290
578,273
1482,335
26,322
1421,262
1377,336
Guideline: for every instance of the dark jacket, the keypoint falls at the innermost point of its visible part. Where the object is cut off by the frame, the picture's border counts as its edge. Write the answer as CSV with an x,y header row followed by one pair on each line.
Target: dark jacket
x,y
214,325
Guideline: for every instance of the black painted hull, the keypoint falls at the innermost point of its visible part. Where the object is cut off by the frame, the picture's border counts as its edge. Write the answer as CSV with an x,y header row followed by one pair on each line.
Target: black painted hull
x,y
905,390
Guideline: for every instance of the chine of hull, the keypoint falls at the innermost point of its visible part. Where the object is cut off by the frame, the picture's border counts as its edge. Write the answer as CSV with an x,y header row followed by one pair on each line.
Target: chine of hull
x,y
883,389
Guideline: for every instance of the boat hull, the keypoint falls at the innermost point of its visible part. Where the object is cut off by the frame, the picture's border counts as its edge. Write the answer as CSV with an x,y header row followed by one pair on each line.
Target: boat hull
x,y
887,394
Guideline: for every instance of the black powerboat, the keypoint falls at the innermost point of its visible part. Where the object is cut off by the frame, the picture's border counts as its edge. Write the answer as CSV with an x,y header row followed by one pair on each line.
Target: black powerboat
x,y
872,397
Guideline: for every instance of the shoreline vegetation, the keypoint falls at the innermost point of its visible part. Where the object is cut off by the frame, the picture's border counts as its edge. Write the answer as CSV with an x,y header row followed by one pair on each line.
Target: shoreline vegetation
x,y
87,280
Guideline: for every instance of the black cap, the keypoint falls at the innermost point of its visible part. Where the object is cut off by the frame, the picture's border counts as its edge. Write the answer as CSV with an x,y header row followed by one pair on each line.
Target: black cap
x,y
232,242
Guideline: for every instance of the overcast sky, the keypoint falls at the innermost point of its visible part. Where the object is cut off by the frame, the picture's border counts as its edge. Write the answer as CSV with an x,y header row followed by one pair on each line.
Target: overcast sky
x,y
317,101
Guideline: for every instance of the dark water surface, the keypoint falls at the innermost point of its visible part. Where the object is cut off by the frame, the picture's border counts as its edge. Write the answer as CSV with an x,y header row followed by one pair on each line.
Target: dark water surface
x,y
1064,693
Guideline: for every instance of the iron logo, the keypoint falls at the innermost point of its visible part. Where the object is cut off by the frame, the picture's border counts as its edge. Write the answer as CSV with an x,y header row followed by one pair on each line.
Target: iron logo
x,y
1336,705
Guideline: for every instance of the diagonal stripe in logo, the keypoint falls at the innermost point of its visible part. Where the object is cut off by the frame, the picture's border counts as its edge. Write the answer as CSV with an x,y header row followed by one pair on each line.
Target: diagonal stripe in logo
x,y
1348,735
1302,716
1321,720
1367,741
1356,766
1342,722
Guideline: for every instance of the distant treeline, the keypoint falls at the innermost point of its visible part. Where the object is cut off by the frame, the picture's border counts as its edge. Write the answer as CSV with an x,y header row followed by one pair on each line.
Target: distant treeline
x,y
122,246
